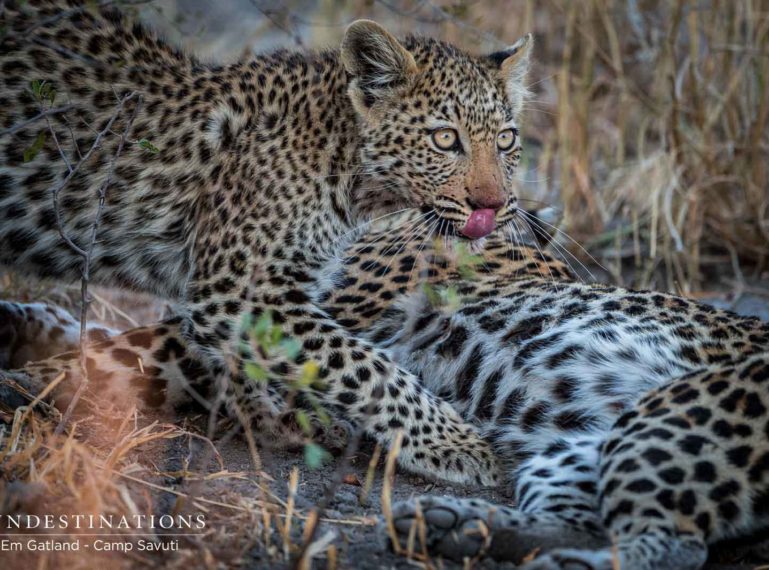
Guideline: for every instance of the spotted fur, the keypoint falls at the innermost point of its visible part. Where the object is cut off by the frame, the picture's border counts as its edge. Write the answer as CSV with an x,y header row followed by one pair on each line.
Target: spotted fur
x,y
34,331
266,167
630,422
594,398
629,418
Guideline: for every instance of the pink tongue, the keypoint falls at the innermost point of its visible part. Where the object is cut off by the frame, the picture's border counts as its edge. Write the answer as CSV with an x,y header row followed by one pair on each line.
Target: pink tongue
x,y
480,223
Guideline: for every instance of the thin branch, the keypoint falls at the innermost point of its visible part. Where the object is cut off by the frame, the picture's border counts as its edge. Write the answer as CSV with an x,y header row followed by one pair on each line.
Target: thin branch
x,y
79,9
274,17
57,190
58,146
336,481
439,16
329,494
87,253
42,115
88,60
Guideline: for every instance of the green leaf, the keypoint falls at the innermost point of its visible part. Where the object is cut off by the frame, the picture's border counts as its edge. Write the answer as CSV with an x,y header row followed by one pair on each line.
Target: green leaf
x,y
36,87
466,272
291,347
49,94
467,262
303,421
43,91
145,144
433,296
319,386
32,150
323,416
263,325
276,335
315,455
246,322
309,373
255,372
451,298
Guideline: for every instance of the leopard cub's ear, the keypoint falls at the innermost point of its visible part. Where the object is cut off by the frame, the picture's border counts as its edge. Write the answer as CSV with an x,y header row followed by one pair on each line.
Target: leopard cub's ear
x,y
377,62
513,65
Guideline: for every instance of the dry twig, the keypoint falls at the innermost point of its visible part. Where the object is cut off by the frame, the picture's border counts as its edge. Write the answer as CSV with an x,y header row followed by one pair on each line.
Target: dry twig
x,y
87,253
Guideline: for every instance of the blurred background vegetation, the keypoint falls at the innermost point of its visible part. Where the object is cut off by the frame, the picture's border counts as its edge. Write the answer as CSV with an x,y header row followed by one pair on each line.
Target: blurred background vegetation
x,y
647,128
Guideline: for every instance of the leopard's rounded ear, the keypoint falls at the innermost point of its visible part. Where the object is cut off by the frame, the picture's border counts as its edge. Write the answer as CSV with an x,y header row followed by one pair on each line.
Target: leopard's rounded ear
x,y
377,62
513,65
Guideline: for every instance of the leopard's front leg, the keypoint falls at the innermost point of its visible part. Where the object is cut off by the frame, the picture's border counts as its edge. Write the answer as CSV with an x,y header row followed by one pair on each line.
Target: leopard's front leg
x,y
361,382
370,390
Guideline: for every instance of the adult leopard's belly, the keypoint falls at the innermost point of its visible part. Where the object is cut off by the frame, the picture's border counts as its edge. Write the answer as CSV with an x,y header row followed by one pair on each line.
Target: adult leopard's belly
x,y
542,360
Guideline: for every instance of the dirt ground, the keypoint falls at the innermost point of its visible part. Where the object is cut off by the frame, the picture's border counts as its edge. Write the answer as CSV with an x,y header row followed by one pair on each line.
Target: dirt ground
x,y
354,527
364,547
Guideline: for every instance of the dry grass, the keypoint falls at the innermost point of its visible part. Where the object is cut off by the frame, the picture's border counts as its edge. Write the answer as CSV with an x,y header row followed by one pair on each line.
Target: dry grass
x,y
113,466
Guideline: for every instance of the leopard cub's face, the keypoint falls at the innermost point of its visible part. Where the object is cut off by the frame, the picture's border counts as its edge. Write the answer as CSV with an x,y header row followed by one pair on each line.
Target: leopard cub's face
x,y
438,126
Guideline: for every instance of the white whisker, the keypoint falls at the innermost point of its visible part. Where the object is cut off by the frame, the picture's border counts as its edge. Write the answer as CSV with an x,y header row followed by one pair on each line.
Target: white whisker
x,y
567,236
562,252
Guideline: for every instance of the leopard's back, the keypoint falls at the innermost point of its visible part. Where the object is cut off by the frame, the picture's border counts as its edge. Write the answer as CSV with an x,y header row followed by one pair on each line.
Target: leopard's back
x,y
76,78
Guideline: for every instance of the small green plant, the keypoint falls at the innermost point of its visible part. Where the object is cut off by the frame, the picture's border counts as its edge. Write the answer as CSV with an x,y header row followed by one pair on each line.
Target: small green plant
x,y
145,144
45,95
315,456
268,344
442,297
43,91
37,145
448,297
467,262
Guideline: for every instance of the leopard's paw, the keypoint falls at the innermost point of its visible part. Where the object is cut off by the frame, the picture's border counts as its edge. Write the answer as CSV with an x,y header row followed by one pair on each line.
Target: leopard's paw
x,y
335,436
451,527
457,528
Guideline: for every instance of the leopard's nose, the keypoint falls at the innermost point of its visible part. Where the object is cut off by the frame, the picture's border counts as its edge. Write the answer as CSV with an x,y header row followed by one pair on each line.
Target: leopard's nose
x,y
486,200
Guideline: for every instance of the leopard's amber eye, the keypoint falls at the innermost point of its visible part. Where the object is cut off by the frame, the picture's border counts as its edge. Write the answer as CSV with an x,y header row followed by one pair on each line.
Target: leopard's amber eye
x,y
446,139
506,139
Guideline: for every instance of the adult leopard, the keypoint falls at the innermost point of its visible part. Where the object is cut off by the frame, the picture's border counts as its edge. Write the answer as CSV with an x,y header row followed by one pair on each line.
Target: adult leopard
x,y
264,168
632,423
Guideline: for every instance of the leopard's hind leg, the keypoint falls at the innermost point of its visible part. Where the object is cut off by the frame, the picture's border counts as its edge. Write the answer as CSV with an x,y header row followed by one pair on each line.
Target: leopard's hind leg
x,y
687,468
